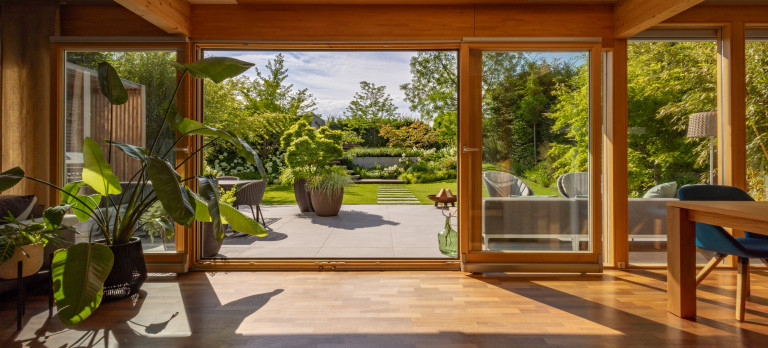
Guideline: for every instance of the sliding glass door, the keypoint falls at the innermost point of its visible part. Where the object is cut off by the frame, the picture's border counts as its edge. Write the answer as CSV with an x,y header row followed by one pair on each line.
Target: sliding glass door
x,y
532,122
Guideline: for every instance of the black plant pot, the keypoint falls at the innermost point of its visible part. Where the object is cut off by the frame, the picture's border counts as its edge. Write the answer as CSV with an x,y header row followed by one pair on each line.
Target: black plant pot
x,y
211,246
302,196
128,271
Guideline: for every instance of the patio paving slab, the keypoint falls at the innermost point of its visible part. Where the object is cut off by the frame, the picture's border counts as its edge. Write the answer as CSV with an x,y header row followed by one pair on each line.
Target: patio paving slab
x,y
359,231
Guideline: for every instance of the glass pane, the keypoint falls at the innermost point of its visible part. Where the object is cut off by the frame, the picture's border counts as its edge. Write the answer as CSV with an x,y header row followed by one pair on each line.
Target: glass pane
x,y
668,146
535,151
149,80
396,114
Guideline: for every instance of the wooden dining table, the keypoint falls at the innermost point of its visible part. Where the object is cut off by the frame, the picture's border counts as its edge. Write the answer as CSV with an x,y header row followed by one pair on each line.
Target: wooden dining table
x,y
681,242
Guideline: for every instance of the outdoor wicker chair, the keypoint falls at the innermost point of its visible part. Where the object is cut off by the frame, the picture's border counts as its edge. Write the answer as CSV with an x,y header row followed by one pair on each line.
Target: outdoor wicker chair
x,y
251,195
502,184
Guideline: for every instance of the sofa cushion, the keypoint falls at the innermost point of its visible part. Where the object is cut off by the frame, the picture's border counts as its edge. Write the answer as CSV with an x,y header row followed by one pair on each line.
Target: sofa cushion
x,y
18,206
665,190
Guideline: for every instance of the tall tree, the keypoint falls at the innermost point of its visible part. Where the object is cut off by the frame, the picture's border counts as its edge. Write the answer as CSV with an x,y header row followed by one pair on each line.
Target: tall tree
x,y
269,93
432,90
369,109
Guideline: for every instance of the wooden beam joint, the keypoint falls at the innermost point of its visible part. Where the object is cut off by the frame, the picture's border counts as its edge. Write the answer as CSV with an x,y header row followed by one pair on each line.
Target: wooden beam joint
x,y
170,15
633,16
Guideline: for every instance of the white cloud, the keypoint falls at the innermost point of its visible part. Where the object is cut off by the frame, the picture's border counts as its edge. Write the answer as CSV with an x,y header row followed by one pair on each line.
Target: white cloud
x,y
333,77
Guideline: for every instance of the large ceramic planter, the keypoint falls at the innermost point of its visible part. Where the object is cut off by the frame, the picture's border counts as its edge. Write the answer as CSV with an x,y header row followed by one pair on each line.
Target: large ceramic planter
x,y
302,196
327,203
128,271
211,246
30,265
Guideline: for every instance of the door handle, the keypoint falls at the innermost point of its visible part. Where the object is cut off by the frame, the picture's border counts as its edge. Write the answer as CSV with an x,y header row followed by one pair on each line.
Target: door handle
x,y
181,149
470,149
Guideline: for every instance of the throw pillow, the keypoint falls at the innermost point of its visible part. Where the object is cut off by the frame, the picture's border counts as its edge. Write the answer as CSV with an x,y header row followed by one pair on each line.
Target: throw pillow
x,y
665,190
18,206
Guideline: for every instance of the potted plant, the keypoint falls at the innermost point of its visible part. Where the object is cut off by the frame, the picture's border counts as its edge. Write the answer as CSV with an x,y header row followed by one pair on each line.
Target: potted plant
x,y
211,241
83,273
326,189
308,154
25,242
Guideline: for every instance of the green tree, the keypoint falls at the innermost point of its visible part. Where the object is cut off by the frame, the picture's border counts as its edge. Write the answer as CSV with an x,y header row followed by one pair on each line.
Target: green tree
x,y
757,118
432,90
269,92
153,70
369,108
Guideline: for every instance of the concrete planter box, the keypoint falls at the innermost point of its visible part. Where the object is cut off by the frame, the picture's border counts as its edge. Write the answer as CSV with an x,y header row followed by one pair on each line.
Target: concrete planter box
x,y
385,162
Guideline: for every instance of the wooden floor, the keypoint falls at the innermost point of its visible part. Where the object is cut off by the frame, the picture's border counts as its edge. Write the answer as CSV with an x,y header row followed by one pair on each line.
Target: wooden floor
x,y
411,309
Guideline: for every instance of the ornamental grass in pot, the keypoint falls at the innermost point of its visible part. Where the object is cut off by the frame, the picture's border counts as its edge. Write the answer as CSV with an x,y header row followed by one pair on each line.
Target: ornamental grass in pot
x,y
327,190
115,209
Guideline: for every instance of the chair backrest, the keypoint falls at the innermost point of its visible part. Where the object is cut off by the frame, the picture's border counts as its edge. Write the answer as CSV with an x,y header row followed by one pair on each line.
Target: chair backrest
x,y
502,184
251,193
227,178
713,237
573,184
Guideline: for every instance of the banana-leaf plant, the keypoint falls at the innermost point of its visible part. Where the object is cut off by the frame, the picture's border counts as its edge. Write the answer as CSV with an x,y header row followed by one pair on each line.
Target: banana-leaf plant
x,y
80,271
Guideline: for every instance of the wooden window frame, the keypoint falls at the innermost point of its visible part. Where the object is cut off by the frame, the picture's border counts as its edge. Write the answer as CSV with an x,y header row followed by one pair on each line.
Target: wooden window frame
x,y
198,263
172,261
470,135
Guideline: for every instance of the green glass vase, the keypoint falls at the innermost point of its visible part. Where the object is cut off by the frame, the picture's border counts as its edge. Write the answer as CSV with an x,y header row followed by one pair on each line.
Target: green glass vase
x,y
448,239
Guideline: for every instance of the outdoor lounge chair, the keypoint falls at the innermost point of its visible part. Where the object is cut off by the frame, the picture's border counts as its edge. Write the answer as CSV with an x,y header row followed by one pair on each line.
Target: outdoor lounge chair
x,y
502,184
572,185
251,195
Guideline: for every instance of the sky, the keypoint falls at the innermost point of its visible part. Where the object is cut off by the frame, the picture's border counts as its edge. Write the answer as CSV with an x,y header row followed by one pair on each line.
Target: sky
x,y
334,77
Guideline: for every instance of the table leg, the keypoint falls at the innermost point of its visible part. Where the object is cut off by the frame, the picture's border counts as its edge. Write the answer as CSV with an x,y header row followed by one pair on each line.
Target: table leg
x,y
681,263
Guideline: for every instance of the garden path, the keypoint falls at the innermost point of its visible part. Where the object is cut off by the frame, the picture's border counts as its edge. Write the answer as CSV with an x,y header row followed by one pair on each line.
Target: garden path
x,y
395,194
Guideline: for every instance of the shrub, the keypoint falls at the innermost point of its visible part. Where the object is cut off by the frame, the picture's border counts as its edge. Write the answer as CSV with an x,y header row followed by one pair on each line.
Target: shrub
x,y
418,134
384,152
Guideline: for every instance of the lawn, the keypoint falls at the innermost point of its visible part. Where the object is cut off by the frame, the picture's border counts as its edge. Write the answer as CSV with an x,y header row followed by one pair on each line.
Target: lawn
x,y
366,193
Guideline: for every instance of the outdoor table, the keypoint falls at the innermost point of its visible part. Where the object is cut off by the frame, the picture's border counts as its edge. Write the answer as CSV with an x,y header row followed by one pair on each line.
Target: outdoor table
x,y
229,184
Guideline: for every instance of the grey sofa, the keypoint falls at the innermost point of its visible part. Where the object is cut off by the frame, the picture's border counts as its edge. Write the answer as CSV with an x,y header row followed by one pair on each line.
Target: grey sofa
x,y
566,219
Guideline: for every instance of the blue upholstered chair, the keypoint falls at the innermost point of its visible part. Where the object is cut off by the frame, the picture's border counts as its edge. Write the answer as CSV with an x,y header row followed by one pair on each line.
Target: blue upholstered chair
x,y
715,238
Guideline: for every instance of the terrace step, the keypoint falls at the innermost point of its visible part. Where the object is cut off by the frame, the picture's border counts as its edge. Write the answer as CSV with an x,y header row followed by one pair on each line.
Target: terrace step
x,y
395,194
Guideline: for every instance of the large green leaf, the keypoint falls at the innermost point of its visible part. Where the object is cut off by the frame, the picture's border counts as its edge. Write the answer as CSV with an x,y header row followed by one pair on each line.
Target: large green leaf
x,y
70,191
170,194
209,192
79,273
7,247
110,84
10,178
215,68
53,216
240,222
83,211
172,116
191,127
97,173
134,151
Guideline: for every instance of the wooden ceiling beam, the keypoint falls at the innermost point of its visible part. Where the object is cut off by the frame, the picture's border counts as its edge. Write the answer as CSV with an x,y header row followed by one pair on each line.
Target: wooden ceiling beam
x,y
172,16
633,16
